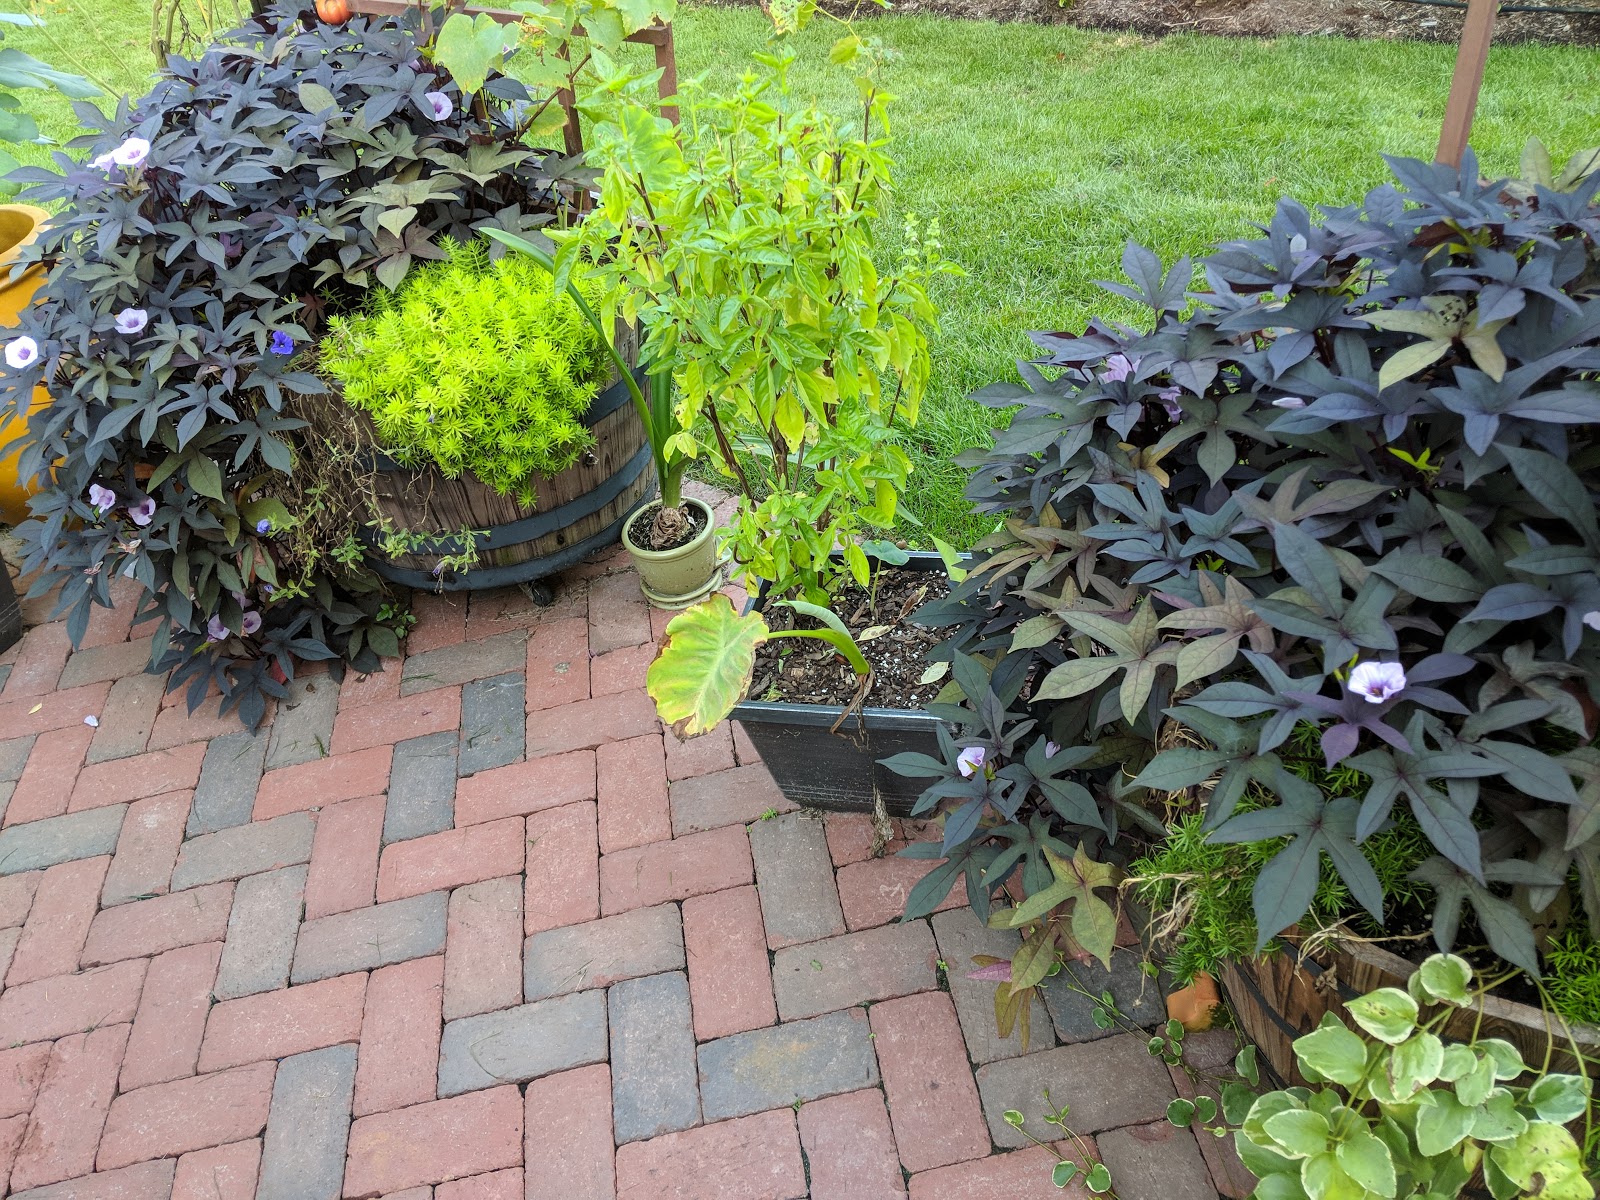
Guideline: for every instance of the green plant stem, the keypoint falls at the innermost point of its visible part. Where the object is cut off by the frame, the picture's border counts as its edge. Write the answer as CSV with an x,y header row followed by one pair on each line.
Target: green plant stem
x,y
839,641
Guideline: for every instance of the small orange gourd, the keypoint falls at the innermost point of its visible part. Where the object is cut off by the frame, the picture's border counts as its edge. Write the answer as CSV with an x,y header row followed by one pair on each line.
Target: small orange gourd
x,y
334,12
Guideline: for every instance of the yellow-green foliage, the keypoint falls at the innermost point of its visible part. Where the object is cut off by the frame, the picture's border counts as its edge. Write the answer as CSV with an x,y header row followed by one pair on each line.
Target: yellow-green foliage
x,y
475,366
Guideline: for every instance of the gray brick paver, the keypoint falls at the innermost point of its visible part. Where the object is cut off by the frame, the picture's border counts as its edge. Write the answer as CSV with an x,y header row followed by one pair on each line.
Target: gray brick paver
x,y
13,757
261,933
245,850
1109,1083
960,935
796,1061
422,787
1140,998
515,1045
229,777
653,1077
494,723
396,931
1156,1162
303,728
857,968
643,941
60,839
799,900
464,662
308,1126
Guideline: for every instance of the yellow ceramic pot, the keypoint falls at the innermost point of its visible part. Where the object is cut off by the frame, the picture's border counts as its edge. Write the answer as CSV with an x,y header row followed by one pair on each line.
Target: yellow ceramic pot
x,y
20,225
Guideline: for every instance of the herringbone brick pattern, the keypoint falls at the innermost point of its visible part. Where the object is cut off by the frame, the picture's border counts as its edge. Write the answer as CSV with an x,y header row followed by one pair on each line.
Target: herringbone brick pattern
x,y
473,929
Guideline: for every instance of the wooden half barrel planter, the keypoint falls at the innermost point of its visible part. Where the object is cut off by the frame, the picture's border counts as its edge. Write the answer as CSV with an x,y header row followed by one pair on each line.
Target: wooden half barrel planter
x,y
818,768
1279,997
575,512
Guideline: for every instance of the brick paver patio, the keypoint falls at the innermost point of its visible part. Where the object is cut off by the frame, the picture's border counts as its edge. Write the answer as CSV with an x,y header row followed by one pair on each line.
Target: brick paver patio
x,y
473,929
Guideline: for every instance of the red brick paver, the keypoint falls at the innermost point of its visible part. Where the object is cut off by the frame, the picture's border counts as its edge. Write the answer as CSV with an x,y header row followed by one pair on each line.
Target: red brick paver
x,y
476,933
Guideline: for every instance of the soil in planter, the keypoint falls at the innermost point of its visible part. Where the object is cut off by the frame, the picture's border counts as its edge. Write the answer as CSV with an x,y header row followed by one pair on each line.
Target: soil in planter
x,y
643,531
803,671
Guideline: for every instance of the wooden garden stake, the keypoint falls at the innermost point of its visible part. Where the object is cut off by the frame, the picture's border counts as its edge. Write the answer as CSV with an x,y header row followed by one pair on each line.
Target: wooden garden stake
x,y
1472,56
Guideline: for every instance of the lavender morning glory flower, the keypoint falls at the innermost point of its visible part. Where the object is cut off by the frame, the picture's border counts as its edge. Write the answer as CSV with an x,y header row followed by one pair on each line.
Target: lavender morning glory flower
x,y
1592,619
1169,401
101,497
251,622
102,162
132,320
131,153
970,761
1377,681
1288,402
280,343
216,630
441,104
1118,368
263,526
1051,749
143,512
21,352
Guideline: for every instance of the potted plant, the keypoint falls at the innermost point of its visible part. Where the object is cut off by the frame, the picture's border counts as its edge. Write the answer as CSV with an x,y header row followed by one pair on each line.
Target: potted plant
x,y
499,412
1309,572
1398,1109
198,241
20,226
741,240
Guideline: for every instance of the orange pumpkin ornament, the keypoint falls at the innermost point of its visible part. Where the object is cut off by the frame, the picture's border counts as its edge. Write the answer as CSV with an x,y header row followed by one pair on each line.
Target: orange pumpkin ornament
x,y
334,12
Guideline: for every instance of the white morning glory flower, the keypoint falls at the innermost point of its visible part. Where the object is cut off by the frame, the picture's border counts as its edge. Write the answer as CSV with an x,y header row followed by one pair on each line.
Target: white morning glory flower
x,y
216,630
1288,402
21,352
1051,749
1377,681
970,761
143,512
101,497
132,320
441,104
131,153
250,622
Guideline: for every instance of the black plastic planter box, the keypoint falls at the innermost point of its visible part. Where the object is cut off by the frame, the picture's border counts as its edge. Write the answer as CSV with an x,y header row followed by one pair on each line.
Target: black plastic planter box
x,y
840,771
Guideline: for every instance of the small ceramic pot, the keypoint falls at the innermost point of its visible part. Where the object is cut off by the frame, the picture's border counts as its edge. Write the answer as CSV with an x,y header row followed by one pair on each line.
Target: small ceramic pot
x,y
684,575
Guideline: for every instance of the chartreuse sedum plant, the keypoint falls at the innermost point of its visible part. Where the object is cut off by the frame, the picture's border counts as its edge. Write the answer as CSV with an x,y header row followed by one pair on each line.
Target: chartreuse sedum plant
x,y
1395,1112
475,366
742,240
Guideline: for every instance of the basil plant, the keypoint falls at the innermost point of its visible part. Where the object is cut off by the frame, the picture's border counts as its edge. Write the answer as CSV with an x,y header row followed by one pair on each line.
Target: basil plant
x,y
1396,1112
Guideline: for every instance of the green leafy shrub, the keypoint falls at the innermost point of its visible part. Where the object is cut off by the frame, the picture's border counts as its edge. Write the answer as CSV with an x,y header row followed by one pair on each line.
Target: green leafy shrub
x,y
1398,1112
476,366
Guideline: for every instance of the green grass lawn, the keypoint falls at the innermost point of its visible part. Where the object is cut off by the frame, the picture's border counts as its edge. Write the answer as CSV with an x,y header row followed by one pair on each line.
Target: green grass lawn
x,y
1042,149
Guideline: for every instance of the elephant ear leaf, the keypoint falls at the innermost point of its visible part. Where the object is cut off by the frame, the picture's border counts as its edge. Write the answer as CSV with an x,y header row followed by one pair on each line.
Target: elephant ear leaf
x,y
704,668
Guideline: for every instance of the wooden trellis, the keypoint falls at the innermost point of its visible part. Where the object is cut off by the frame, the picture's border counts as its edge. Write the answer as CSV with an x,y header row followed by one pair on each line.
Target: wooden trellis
x,y
1472,56
658,36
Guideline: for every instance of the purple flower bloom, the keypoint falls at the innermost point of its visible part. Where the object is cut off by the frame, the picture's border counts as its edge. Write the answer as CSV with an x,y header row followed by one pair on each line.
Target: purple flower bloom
x,y
1377,681
1051,749
132,320
1288,402
280,343
143,512
441,105
1169,401
101,497
102,162
263,526
251,622
438,569
21,352
216,630
1592,619
970,761
1118,368
267,589
131,153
